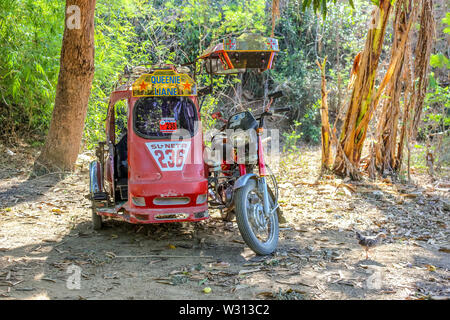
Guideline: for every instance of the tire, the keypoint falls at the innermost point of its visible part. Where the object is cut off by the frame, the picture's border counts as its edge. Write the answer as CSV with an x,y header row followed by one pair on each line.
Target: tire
x,y
245,225
97,222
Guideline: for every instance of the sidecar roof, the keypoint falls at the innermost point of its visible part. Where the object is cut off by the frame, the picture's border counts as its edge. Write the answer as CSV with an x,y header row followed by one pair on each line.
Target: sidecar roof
x,y
249,51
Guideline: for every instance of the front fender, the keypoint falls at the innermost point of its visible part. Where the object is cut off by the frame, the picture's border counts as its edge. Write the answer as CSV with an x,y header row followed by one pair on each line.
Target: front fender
x,y
243,180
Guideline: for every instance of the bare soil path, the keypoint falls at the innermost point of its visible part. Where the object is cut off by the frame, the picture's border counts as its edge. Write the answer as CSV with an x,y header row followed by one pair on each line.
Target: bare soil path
x,y
45,229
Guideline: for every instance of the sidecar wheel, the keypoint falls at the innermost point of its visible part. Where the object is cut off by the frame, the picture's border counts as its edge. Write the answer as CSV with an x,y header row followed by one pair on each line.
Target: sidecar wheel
x,y
252,222
97,222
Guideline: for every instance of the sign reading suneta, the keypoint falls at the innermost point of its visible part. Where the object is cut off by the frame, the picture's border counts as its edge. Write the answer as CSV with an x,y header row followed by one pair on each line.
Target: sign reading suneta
x,y
166,83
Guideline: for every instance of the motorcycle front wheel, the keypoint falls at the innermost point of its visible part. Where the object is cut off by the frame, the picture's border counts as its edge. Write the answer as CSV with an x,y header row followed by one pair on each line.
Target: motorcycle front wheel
x,y
259,232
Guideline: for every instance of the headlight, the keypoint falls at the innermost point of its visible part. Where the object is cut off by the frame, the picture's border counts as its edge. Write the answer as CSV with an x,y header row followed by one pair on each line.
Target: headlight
x,y
138,201
202,198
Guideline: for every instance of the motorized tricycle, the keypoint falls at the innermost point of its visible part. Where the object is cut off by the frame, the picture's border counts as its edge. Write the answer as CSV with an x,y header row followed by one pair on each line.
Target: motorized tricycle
x,y
160,170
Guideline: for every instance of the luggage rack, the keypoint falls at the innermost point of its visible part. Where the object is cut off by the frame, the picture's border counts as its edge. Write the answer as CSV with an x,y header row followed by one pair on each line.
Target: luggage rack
x,y
238,54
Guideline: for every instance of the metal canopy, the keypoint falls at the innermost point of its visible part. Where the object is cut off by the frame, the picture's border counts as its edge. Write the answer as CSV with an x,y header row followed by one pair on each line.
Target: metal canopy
x,y
234,55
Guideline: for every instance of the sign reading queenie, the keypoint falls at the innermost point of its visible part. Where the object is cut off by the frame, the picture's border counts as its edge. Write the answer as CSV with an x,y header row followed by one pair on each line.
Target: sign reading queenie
x,y
164,83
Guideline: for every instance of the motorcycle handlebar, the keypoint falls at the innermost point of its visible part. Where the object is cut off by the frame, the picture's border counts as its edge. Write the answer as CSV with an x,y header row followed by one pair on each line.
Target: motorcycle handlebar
x,y
275,95
282,109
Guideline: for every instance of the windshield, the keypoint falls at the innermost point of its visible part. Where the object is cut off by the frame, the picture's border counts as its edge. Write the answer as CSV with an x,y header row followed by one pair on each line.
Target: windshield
x,y
156,117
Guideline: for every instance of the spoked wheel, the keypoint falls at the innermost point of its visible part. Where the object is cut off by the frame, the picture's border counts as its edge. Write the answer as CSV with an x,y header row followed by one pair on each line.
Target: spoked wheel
x,y
258,231
97,222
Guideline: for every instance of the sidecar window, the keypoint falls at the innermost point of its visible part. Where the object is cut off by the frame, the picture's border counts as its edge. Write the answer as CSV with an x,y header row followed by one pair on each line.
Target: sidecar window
x,y
149,111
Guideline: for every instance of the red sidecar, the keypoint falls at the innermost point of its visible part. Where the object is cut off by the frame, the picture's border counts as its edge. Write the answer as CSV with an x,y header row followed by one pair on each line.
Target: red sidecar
x,y
154,172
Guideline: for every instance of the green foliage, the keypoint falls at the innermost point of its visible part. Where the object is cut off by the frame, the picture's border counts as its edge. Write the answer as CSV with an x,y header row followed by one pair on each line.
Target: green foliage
x,y
321,5
305,38
30,41
142,32
446,21
439,61
436,109
311,125
292,137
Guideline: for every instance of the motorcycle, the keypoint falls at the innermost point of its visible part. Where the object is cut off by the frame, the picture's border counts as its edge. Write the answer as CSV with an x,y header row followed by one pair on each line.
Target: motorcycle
x,y
238,182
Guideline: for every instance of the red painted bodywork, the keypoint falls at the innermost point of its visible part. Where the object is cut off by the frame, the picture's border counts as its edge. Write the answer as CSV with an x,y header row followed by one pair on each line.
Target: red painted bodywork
x,y
145,179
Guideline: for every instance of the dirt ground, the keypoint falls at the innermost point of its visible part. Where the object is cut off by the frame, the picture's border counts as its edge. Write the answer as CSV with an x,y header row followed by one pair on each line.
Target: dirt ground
x,y
46,237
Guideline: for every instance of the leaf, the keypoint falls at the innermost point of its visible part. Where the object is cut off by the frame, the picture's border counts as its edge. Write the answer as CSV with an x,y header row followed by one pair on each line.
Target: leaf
x,y
439,61
221,265
40,69
15,87
265,294
443,249
242,272
430,267
111,255
165,282
306,4
207,290
409,195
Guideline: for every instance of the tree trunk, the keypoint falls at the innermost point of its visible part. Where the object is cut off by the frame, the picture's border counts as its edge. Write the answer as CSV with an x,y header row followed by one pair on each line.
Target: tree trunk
x,y
422,60
354,129
408,75
326,131
386,153
62,144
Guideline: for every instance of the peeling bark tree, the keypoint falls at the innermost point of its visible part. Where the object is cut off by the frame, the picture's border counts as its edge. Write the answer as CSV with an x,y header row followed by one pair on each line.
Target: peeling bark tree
x,y
385,149
326,131
412,83
422,59
62,144
354,129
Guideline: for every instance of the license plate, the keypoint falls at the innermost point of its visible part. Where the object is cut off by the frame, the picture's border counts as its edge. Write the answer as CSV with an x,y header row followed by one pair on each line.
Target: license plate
x,y
167,125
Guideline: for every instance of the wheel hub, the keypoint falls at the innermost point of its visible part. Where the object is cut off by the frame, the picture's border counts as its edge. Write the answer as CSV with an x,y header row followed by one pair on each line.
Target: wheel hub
x,y
257,216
